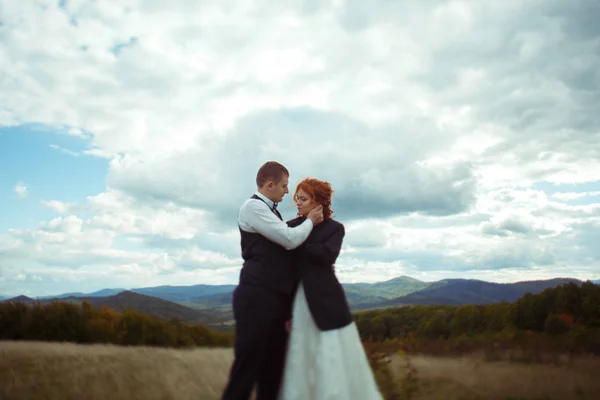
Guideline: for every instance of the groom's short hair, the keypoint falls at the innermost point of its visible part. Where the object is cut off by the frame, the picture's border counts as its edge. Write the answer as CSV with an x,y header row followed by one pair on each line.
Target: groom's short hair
x,y
270,171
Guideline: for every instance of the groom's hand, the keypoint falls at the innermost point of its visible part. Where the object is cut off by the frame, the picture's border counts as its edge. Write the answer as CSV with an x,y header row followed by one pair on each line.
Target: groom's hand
x,y
316,215
288,325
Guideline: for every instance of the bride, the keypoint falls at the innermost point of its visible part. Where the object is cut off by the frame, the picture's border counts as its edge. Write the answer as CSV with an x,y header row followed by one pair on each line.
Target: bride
x,y
325,356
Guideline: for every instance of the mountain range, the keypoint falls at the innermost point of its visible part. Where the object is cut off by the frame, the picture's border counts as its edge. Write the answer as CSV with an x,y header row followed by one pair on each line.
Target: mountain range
x,y
172,293
163,309
211,304
469,291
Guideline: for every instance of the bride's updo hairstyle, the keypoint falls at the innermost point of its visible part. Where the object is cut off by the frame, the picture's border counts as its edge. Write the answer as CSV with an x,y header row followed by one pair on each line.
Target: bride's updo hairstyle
x,y
321,193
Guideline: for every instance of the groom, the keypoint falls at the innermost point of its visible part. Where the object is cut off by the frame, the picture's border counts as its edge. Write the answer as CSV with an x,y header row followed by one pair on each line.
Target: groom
x,y
262,301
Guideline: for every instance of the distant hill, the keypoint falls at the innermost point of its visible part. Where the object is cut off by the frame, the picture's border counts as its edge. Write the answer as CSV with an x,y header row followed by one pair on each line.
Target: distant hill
x,y
104,293
122,301
365,293
471,291
165,292
220,300
21,299
185,293
99,293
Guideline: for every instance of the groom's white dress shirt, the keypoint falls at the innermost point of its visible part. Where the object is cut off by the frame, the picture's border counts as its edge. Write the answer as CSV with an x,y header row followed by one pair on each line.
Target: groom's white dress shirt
x,y
257,217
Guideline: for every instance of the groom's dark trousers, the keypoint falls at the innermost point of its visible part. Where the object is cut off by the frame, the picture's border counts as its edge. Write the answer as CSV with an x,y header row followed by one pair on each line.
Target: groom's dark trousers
x,y
260,344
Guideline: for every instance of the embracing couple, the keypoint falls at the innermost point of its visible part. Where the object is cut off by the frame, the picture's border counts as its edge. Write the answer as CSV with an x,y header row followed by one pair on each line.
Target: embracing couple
x,y
295,338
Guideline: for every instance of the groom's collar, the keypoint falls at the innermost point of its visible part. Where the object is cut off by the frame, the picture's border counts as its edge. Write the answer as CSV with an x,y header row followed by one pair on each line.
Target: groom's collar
x,y
265,199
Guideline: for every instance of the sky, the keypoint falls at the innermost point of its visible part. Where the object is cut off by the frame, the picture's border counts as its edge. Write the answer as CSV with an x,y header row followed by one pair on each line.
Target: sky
x,y
462,138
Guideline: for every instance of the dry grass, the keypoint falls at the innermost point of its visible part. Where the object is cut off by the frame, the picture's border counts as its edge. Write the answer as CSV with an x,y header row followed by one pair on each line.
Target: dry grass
x,y
36,371
471,378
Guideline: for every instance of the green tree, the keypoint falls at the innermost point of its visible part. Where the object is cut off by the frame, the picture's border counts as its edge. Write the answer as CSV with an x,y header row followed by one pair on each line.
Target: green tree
x,y
555,325
437,327
467,320
568,299
590,305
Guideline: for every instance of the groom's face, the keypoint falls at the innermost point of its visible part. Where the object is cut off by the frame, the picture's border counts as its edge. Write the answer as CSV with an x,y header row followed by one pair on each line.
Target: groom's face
x,y
278,189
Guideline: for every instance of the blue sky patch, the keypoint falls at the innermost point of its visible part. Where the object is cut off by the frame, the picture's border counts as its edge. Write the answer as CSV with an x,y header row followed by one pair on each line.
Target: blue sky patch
x,y
45,163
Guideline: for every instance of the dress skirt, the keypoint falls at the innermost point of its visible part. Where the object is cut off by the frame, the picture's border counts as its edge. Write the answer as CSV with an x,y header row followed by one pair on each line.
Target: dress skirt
x,y
325,365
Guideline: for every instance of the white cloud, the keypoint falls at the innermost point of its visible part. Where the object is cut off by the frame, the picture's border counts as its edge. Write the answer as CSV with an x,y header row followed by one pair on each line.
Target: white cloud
x,y
572,196
436,122
65,151
60,206
22,190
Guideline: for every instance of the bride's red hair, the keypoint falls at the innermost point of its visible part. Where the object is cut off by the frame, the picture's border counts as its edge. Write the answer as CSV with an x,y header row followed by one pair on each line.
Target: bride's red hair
x,y
321,193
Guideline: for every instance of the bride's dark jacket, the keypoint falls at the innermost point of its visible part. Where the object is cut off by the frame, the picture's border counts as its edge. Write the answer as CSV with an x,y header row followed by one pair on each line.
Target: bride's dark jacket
x,y
313,266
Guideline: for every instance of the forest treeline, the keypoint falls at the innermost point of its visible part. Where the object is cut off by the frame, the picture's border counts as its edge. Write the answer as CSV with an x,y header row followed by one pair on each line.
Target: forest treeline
x,y
568,315
569,312
62,321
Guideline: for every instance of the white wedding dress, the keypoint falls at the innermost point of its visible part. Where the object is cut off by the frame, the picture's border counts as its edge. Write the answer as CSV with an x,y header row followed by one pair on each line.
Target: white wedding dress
x,y
325,365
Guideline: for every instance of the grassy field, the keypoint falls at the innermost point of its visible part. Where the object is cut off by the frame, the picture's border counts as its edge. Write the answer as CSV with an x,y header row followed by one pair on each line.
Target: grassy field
x,y
474,378
36,371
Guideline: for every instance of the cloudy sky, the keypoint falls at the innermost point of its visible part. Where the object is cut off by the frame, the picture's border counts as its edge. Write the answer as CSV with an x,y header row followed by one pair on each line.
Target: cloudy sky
x,y
462,137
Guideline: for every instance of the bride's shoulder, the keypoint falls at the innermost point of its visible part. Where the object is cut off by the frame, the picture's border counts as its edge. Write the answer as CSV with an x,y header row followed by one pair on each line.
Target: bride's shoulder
x,y
335,224
296,221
